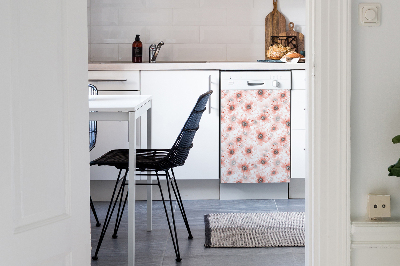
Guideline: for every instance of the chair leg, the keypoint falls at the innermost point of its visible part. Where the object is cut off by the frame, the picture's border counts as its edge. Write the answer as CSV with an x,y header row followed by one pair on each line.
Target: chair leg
x,y
174,239
174,185
120,211
94,213
109,212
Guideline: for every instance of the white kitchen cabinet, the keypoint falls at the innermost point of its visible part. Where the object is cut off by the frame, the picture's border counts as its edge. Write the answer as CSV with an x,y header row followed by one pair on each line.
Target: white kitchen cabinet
x,y
298,79
298,124
174,96
112,134
298,109
298,153
115,80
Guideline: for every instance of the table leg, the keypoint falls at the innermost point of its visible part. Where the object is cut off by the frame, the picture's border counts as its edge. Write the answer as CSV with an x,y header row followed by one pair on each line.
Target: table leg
x,y
132,190
149,178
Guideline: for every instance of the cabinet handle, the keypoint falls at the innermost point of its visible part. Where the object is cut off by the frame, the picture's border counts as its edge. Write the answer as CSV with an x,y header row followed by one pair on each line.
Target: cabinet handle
x,y
209,99
254,83
100,80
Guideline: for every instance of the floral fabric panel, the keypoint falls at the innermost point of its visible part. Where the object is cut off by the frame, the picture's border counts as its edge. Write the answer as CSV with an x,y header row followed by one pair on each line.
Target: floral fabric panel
x,y
255,136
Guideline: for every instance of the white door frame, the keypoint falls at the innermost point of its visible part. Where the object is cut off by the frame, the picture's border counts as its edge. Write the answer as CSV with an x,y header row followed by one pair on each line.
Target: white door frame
x,y
329,82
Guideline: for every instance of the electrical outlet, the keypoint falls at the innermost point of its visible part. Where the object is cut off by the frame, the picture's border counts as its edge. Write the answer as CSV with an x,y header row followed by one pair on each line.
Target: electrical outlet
x,y
378,206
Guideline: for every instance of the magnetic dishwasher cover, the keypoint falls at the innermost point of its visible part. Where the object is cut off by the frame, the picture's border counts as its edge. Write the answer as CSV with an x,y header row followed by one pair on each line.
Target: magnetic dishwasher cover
x,y
255,126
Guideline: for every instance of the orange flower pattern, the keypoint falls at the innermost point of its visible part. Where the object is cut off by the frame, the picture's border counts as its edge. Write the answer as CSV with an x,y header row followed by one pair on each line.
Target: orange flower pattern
x,y
255,136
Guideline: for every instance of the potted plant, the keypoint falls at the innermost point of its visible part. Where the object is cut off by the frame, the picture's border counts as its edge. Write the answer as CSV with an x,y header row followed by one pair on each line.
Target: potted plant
x,y
394,170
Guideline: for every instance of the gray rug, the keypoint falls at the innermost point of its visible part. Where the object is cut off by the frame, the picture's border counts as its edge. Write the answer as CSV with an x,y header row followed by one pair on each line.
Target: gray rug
x,y
271,229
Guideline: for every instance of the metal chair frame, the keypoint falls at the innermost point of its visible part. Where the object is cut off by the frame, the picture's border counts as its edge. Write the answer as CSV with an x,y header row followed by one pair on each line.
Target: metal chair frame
x,y
92,143
154,161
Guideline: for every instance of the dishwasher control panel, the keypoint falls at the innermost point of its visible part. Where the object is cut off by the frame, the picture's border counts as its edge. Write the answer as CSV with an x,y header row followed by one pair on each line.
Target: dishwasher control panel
x,y
254,80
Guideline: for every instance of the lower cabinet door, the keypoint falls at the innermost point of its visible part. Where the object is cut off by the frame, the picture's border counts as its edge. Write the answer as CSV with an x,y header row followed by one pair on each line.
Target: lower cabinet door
x,y
298,153
174,96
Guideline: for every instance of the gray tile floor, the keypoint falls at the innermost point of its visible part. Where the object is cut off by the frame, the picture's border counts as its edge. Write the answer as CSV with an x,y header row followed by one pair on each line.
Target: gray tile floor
x,y
155,248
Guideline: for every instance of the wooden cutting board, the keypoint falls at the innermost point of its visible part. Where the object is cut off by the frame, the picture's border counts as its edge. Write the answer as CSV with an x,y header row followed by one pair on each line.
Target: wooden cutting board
x,y
299,36
275,23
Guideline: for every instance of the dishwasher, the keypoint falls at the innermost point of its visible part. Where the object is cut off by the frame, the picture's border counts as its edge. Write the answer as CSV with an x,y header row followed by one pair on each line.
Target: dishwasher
x,y
255,126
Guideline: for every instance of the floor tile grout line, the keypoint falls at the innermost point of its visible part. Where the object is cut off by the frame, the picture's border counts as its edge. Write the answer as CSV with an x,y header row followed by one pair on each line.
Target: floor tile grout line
x,y
276,205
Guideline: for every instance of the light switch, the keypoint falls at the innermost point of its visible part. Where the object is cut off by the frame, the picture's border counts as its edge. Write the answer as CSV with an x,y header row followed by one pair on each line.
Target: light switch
x,y
369,14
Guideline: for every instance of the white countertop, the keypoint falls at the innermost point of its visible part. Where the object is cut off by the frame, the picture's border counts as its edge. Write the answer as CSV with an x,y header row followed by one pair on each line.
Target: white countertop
x,y
117,103
196,66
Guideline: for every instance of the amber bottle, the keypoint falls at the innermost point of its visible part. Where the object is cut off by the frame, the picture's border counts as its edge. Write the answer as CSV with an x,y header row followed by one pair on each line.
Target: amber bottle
x,y
137,50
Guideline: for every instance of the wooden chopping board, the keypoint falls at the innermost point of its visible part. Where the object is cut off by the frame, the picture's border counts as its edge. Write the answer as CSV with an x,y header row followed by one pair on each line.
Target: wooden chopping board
x,y
292,32
275,23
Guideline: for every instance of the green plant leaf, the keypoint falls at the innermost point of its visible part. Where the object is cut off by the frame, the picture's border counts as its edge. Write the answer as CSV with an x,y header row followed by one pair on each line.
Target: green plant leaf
x,y
396,139
394,170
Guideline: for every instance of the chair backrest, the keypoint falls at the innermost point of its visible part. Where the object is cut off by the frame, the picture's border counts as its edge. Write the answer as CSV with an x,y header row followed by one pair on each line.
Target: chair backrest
x,y
92,124
180,150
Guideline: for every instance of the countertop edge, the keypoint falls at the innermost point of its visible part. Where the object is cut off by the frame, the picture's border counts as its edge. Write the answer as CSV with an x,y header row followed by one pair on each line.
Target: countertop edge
x,y
194,66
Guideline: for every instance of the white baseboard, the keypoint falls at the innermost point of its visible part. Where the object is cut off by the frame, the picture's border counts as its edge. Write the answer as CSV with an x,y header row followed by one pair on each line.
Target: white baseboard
x,y
253,191
297,188
101,190
375,243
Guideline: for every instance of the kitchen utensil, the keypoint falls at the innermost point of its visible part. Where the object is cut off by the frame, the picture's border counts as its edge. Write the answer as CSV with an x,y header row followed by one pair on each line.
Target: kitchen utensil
x,y
275,23
292,32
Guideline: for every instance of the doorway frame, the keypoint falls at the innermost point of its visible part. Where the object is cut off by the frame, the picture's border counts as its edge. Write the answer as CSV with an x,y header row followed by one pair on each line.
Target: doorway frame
x,y
328,221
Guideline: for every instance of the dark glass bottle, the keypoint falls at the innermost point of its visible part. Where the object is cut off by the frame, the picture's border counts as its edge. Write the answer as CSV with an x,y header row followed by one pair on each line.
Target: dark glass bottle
x,y
137,49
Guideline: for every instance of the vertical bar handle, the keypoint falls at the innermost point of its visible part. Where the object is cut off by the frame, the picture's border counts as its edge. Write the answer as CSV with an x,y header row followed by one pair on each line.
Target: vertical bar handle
x,y
209,99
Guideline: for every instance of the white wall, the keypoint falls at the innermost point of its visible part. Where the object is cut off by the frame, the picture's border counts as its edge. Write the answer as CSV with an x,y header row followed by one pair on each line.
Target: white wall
x,y
375,120
193,30
375,108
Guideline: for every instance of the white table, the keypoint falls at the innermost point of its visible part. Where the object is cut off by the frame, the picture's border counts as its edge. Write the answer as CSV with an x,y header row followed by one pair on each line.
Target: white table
x,y
127,108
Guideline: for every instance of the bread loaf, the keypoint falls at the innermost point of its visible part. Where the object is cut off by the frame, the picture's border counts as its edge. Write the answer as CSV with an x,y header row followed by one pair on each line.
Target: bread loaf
x,y
293,55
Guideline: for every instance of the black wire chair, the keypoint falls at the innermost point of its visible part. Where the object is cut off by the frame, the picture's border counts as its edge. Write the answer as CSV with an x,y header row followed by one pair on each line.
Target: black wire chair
x,y
149,161
92,143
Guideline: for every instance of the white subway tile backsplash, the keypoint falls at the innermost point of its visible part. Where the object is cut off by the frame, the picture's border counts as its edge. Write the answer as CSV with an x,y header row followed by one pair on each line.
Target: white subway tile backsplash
x,y
119,3
145,17
258,35
226,3
294,10
199,52
105,16
245,52
232,35
125,52
173,34
266,5
115,34
199,16
239,4
172,3
192,30
224,34
104,52
246,17
214,3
